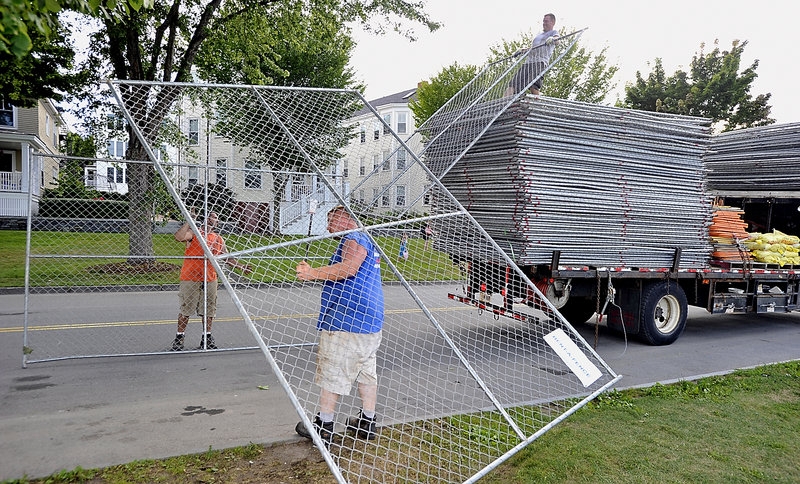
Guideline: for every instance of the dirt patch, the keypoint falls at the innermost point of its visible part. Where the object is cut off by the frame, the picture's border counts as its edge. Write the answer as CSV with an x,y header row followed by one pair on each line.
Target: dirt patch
x,y
125,268
283,463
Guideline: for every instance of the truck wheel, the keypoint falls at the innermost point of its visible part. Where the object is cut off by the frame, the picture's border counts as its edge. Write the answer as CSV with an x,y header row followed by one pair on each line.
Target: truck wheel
x,y
663,313
578,309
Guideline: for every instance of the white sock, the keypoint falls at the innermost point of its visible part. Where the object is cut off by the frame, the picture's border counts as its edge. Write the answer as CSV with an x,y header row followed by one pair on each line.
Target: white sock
x,y
367,413
326,417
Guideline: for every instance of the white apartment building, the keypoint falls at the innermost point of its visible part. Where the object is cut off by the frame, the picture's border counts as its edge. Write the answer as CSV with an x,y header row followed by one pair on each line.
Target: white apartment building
x,y
24,131
375,167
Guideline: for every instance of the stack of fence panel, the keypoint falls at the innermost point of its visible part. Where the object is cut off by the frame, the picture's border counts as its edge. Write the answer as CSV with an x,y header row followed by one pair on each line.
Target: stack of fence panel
x,y
756,159
608,187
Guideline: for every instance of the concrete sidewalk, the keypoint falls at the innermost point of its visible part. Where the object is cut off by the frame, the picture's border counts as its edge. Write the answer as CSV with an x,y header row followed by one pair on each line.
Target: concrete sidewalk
x,y
99,412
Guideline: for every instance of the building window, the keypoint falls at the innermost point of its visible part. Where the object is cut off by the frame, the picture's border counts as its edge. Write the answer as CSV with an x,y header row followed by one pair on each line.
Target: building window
x,y
363,134
7,114
362,168
426,198
222,173
374,200
335,168
400,198
252,175
401,159
55,174
376,131
115,122
110,174
361,196
387,160
345,169
193,175
386,197
116,148
194,131
402,123
387,127
120,174
47,124
376,160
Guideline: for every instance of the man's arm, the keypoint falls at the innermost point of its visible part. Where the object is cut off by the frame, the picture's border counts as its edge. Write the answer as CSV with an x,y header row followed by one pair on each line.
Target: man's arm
x,y
223,249
353,255
184,234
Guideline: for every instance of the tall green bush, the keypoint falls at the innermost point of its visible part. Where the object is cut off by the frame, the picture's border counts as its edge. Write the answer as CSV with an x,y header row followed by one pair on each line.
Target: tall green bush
x,y
83,208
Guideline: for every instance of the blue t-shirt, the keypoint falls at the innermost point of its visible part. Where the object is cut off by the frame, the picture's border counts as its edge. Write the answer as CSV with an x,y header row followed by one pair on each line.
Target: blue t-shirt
x,y
354,304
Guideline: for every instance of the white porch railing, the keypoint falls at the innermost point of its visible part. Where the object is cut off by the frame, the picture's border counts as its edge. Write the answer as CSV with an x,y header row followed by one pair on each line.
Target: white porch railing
x,y
10,181
293,212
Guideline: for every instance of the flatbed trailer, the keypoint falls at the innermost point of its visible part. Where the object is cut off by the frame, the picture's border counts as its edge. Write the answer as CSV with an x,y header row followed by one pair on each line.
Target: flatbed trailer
x,y
650,303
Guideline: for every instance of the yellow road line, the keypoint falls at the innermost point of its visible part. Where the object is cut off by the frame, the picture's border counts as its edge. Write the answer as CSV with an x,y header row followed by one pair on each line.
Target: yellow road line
x,y
117,324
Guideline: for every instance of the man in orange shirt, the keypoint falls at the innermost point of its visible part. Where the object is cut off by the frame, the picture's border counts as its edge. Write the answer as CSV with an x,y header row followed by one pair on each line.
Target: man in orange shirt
x,y
197,272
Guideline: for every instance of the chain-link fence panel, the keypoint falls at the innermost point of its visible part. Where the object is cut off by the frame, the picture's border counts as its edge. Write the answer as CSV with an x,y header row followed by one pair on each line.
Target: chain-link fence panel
x,y
412,346
116,293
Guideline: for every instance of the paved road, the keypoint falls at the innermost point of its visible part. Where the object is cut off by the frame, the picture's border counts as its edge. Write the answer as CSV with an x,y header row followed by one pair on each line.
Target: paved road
x,y
102,411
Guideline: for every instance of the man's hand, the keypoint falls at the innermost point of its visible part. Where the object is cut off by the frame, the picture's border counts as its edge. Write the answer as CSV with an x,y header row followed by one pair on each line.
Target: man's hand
x,y
550,40
303,271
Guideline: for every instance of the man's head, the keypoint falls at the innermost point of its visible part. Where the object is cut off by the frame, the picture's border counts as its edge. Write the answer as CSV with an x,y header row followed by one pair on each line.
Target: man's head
x,y
212,220
548,22
339,219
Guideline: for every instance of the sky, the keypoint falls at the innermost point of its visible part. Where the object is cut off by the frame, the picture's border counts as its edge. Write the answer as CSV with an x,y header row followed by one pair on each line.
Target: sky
x,y
635,32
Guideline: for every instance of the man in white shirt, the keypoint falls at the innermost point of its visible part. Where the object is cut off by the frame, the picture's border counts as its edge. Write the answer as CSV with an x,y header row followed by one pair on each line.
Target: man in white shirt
x,y
537,60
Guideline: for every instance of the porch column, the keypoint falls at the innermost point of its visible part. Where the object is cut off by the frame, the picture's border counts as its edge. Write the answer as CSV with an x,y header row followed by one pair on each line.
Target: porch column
x,y
26,161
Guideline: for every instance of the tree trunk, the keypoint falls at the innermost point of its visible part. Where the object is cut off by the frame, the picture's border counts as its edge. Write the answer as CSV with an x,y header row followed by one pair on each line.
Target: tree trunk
x,y
140,207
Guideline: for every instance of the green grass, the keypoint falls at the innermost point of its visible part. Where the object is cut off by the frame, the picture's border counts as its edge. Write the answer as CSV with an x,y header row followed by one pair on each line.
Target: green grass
x,y
738,428
279,267
12,258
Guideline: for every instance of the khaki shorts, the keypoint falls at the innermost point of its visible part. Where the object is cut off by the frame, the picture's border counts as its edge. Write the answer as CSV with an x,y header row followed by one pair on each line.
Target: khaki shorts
x,y
190,295
345,357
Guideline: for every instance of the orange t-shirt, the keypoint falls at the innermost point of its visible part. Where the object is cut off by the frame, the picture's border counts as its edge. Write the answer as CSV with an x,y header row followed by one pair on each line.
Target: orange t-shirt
x,y
192,269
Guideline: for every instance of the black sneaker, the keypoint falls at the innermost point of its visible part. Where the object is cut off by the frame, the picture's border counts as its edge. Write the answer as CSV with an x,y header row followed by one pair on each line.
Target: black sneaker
x,y
207,342
362,426
325,430
177,343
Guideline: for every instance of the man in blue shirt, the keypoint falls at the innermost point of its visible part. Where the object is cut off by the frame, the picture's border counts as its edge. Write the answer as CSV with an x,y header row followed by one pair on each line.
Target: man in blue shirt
x,y
350,322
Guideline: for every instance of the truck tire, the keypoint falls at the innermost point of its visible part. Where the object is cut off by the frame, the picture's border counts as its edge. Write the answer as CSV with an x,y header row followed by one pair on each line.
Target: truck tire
x,y
578,310
663,313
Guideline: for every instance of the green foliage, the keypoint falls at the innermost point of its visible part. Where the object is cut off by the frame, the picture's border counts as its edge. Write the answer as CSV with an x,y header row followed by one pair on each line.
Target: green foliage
x,y
713,88
77,145
220,199
433,94
285,44
21,21
580,75
83,208
70,182
25,80
163,43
